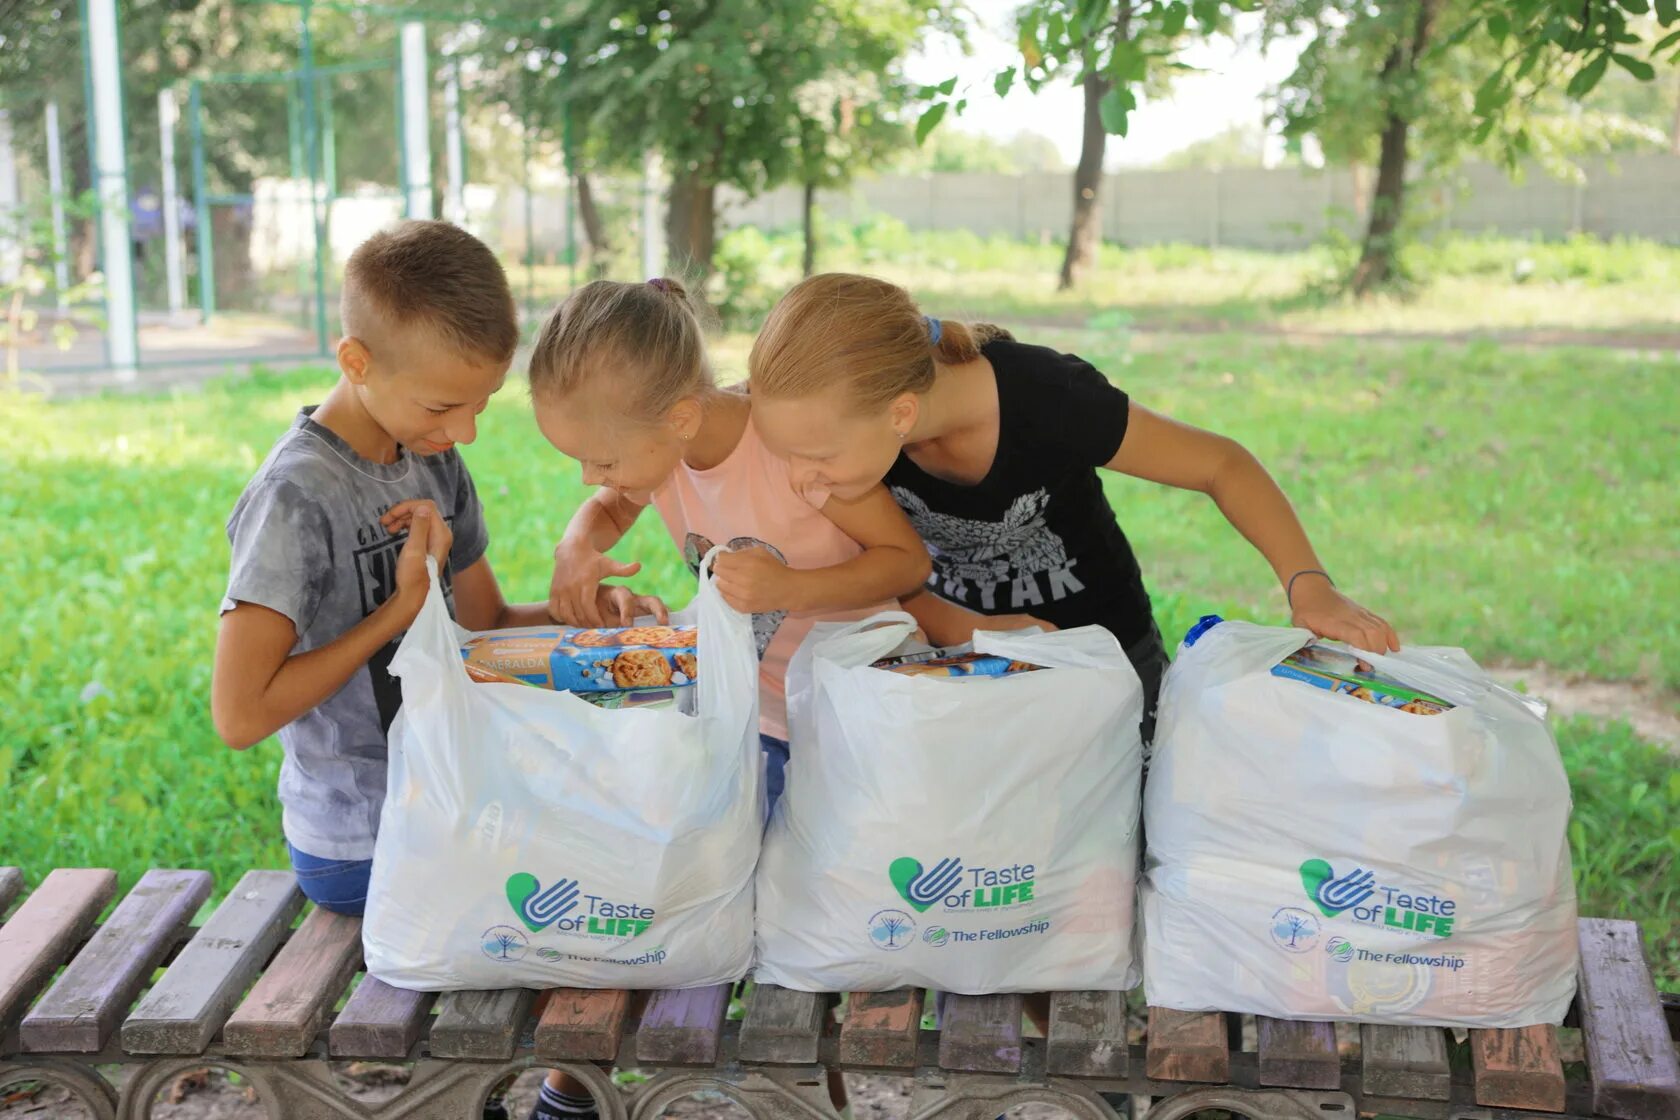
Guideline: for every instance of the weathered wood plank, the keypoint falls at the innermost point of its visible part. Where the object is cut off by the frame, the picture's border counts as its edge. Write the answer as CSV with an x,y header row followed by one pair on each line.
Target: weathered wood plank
x,y
1187,1046
185,1009
286,1007
683,1026
1087,1035
980,1034
881,1029
480,1024
1298,1055
11,883
379,1021
1519,1068
783,1027
82,1009
44,931
1630,1054
1404,1062
582,1025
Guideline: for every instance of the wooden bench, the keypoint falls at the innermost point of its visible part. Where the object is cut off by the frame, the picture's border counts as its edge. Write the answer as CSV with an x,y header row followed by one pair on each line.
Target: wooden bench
x,y
254,991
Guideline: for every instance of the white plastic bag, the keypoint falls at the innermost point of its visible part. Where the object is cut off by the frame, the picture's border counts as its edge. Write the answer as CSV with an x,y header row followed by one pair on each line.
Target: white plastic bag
x,y
531,839
971,836
1313,856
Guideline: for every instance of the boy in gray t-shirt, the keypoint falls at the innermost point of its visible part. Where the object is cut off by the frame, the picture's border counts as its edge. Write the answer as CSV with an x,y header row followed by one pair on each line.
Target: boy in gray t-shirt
x,y
331,535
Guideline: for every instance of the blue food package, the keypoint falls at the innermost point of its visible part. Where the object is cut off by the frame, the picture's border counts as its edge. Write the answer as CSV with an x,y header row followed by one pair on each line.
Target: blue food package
x,y
956,661
1345,672
617,659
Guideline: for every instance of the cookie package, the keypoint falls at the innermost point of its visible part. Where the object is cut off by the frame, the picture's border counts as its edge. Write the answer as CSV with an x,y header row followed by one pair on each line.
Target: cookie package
x,y
622,659
959,662
1342,671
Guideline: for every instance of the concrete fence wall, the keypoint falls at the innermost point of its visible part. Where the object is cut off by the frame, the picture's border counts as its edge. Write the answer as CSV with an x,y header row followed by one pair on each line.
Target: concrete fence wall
x,y
1635,196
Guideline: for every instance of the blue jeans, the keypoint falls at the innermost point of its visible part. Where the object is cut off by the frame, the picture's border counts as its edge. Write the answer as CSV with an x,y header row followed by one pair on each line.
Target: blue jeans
x,y
775,770
339,885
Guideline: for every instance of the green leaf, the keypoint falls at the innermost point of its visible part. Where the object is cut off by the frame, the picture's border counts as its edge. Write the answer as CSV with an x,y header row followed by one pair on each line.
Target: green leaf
x,y
1588,76
1638,67
1637,7
1665,42
947,86
1668,11
1115,106
929,120
1004,80
1499,26
1492,94
1173,19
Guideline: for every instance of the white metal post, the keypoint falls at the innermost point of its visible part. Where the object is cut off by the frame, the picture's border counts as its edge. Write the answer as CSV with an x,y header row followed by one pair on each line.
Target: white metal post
x,y
455,148
416,136
652,250
174,253
11,200
55,184
99,18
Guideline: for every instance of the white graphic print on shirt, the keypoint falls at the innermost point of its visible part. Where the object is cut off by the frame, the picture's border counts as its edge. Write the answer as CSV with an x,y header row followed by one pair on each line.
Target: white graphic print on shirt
x,y
1014,563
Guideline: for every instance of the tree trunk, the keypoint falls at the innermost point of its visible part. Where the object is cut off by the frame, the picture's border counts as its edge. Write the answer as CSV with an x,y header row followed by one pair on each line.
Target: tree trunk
x,y
1379,256
600,248
808,264
690,226
1086,234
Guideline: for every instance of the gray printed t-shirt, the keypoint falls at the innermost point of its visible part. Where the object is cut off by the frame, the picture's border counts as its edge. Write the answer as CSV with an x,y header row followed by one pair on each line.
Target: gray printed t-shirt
x,y
307,543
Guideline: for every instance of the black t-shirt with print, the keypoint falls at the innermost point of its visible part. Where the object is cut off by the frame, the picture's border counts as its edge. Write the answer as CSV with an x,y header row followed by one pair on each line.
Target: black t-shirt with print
x,y
1036,535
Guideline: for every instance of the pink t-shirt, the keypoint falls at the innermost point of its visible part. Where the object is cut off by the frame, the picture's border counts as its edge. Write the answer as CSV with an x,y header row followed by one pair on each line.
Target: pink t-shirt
x,y
750,498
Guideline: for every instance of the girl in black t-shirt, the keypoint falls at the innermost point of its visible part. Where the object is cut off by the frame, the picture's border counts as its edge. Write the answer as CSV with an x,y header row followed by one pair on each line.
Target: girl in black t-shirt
x,y
992,447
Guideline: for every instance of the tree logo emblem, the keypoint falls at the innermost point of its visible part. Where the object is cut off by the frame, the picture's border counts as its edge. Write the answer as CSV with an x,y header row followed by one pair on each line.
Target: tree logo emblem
x,y
1294,930
891,930
504,944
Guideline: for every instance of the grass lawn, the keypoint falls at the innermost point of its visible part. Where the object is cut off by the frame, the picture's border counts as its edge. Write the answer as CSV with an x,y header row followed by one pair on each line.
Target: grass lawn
x,y
1516,502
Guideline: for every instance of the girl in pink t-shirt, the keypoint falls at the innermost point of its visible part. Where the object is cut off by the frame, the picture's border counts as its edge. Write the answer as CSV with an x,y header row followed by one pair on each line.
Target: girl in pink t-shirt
x,y
621,383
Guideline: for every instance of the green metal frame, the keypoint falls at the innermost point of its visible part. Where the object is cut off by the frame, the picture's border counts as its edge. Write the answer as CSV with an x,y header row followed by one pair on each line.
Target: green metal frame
x,y
312,158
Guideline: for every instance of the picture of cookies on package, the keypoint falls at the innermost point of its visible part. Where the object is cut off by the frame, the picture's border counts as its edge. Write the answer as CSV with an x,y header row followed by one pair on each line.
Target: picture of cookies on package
x,y
624,659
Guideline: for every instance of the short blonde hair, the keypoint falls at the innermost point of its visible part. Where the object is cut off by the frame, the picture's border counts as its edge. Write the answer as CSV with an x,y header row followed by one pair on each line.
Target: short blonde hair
x,y
648,334
433,275
839,328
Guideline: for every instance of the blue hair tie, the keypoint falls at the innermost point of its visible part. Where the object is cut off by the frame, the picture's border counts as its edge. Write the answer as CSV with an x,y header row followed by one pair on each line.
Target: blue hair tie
x,y
934,329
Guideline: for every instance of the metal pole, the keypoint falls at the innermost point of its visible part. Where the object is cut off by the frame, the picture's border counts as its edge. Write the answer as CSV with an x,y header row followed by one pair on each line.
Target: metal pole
x,y
298,193
122,339
416,137
12,225
530,215
55,180
202,224
312,157
455,148
173,257
650,216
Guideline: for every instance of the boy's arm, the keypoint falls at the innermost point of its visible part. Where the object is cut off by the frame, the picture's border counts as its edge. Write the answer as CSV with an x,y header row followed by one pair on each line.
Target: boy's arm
x,y
947,624
257,687
894,562
1160,449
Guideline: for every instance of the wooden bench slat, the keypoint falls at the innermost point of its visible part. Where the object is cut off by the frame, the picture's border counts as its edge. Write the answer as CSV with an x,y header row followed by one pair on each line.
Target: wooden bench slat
x,y
783,1027
45,930
882,1029
81,1010
286,1007
582,1025
1629,1051
1520,1068
379,1021
185,1009
980,1034
1187,1046
1404,1062
683,1026
1298,1055
1087,1035
480,1024
11,882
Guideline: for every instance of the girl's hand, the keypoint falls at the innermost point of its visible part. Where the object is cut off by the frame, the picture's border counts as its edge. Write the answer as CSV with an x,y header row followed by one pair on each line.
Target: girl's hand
x,y
753,581
1319,607
575,595
621,606
428,534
